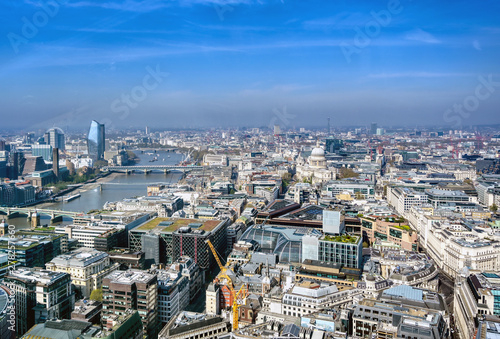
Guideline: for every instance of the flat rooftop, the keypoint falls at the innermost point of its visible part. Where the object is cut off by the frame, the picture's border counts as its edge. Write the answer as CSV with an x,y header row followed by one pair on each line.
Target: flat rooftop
x,y
170,225
80,257
129,277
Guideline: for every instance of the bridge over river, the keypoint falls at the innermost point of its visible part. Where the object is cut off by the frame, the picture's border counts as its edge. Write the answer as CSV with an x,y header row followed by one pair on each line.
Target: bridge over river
x,y
55,215
150,168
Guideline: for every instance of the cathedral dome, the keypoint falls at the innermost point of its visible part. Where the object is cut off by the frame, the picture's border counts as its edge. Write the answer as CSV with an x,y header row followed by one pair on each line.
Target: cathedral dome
x,y
318,152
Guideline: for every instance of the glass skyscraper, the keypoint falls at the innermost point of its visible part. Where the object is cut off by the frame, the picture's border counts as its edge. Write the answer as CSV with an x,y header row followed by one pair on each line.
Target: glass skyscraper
x,y
55,138
96,140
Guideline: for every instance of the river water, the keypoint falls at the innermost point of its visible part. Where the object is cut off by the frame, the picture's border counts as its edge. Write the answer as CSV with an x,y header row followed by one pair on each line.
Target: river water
x,y
115,187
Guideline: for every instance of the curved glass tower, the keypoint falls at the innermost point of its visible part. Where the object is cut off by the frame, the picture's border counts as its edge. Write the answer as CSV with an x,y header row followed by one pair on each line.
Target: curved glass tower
x,y
96,140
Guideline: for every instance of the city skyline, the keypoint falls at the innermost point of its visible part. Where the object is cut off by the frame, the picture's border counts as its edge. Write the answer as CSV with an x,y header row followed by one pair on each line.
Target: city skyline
x,y
208,63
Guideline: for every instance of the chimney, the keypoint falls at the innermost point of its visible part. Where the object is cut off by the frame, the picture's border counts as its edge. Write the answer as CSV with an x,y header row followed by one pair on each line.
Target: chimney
x,y
55,162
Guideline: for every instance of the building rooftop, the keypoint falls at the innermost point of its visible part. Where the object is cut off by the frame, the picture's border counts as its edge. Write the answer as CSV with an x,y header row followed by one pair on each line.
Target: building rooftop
x,y
170,225
80,257
129,277
37,274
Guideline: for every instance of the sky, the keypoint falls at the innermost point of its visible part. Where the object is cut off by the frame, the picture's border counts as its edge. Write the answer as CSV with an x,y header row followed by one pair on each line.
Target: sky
x,y
226,63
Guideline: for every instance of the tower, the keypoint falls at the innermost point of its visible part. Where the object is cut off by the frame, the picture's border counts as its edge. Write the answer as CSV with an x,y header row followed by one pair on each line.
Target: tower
x,y
55,162
328,127
96,140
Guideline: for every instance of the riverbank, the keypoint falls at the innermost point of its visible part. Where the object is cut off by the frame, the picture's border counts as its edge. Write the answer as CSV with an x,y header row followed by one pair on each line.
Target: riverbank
x,y
84,187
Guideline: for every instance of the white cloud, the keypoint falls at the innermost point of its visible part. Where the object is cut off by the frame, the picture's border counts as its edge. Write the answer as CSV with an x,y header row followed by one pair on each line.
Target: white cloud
x,y
422,36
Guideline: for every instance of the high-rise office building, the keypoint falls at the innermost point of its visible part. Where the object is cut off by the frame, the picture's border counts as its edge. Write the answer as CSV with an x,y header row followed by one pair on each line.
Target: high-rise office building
x,y
373,128
55,138
55,162
40,295
45,151
96,140
131,289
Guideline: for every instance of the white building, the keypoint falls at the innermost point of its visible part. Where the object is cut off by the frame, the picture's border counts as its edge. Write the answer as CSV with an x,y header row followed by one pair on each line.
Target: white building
x,y
316,167
310,298
86,266
403,198
453,247
215,160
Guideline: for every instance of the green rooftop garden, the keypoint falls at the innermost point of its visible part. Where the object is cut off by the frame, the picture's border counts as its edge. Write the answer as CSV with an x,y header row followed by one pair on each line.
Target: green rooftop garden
x,y
402,227
344,238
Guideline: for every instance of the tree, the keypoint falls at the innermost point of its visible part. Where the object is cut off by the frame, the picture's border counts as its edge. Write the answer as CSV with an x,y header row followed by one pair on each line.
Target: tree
x,y
494,208
96,295
359,196
365,244
347,173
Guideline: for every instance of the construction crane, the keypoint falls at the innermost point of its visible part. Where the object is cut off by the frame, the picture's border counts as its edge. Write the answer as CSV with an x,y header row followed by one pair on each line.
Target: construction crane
x,y
223,274
236,305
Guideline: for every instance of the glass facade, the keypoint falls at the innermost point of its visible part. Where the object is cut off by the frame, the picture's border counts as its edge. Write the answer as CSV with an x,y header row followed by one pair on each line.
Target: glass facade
x,y
496,302
346,254
96,140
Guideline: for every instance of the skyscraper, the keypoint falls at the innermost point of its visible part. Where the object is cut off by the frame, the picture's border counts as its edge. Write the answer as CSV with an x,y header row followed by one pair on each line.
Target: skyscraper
x,y
373,128
96,140
55,138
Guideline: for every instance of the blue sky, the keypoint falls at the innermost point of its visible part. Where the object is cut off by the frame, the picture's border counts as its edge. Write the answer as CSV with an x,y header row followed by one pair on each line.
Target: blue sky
x,y
235,62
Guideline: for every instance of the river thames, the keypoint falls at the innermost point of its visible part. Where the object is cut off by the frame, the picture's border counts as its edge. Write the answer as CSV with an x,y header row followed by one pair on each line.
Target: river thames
x,y
115,187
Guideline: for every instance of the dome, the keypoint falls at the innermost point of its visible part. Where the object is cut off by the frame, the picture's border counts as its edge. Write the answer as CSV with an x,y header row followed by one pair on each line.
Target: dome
x,y
318,152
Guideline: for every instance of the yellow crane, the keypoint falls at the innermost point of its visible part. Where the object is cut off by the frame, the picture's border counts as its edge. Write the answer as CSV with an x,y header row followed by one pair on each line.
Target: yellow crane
x,y
241,293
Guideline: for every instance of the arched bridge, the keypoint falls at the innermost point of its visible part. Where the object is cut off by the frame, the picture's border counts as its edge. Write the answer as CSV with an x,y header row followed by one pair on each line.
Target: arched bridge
x,y
150,168
55,215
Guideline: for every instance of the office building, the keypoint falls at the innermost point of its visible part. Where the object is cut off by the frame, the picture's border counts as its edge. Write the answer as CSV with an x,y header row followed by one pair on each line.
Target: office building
x,y
7,314
87,310
373,128
96,140
400,234
127,258
475,296
173,294
67,329
131,289
333,145
86,266
167,239
40,295
127,326
333,221
98,237
42,150
55,138
195,325
392,319
403,198
16,193
189,269
356,188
